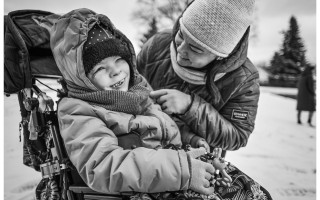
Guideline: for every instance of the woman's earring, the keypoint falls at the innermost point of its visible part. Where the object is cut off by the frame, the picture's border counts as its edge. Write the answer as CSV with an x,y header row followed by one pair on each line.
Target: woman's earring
x,y
219,58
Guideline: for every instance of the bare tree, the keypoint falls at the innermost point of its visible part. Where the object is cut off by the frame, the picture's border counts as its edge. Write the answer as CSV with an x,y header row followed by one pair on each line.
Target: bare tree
x,y
155,15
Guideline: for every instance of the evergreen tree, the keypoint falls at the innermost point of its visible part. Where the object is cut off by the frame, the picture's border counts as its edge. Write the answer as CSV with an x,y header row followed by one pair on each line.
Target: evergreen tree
x,y
291,57
276,64
293,48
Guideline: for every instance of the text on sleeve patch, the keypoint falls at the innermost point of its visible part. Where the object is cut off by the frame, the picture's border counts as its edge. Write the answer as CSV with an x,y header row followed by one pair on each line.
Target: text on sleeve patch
x,y
239,115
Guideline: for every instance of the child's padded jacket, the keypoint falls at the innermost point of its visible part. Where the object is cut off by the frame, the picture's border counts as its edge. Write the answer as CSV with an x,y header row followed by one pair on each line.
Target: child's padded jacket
x,y
104,145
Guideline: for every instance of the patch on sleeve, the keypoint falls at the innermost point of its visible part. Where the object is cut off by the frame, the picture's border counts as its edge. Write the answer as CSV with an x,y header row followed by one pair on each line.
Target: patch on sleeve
x,y
239,115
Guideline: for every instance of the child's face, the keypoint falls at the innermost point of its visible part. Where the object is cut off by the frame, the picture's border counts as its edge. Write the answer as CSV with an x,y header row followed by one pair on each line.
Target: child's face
x,y
112,73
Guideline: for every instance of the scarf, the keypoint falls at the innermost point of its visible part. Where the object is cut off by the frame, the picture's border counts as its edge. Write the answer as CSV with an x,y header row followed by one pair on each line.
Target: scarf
x,y
189,75
134,101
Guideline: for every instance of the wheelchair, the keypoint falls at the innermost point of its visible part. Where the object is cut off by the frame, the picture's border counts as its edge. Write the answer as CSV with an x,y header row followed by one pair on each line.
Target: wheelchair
x,y
28,60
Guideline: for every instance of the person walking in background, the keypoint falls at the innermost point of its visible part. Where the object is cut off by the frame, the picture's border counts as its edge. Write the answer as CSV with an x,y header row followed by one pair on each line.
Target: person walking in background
x,y
306,100
201,72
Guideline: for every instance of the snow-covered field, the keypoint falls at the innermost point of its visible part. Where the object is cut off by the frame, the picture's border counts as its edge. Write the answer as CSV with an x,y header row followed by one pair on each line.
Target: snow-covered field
x,y
280,155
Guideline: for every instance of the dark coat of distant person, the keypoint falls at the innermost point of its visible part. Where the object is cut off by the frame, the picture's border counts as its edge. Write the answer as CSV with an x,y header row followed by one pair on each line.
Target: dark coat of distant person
x,y
306,100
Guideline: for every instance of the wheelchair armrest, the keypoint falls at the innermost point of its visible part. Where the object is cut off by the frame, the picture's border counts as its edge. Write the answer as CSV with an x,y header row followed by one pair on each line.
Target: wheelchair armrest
x,y
81,189
88,193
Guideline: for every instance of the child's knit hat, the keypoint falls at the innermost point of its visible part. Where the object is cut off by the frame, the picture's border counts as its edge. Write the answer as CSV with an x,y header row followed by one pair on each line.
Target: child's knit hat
x,y
217,25
100,44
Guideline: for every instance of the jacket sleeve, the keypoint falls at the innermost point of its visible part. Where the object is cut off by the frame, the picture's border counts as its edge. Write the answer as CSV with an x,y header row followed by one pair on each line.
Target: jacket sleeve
x,y
187,136
106,167
143,57
156,48
230,127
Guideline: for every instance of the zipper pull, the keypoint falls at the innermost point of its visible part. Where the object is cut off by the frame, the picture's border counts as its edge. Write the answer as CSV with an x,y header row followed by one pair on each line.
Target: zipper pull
x,y
184,86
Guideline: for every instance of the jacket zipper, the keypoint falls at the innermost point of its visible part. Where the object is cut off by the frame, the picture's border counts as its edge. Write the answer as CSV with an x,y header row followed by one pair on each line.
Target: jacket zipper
x,y
184,86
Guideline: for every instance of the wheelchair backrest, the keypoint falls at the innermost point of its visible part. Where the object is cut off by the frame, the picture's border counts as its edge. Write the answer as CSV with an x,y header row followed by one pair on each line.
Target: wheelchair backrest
x,y
26,50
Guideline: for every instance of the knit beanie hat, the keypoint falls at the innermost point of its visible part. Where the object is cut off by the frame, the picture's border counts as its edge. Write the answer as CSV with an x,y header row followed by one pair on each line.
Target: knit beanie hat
x,y
100,44
217,25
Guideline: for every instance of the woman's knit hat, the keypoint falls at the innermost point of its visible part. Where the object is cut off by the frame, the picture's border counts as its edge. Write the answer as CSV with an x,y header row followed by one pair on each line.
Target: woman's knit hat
x,y
217,25
100,44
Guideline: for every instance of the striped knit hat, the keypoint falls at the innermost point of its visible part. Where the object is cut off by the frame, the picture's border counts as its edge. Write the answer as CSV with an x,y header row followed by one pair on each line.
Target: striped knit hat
x,y
217,25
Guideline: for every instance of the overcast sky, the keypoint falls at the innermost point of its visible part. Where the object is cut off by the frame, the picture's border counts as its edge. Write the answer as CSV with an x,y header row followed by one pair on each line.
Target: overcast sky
x,y
272,18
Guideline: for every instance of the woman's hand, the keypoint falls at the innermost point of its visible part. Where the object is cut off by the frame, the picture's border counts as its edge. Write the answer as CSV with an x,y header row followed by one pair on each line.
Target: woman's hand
x,y
172,101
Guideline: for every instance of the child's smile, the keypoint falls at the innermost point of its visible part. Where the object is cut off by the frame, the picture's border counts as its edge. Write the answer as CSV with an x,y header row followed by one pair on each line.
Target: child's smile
x,y
118,84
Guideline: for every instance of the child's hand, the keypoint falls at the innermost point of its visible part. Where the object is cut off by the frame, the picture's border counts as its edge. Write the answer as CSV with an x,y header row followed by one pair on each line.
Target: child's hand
x,y
203,143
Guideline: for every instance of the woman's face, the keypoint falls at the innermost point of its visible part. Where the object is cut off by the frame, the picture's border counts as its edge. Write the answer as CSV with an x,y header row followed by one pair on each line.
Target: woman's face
x,y
190,54
112,73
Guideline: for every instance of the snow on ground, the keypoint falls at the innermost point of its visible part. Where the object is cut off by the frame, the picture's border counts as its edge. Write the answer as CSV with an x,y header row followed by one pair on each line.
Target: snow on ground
x,y
19,180
280,154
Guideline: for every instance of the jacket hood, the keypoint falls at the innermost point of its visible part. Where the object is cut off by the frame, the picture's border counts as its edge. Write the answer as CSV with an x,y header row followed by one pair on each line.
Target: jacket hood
x,y
68,34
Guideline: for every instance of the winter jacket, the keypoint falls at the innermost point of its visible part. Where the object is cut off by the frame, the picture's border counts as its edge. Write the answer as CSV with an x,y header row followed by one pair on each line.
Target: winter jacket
x,y
107,147
226,124
94,138
306,93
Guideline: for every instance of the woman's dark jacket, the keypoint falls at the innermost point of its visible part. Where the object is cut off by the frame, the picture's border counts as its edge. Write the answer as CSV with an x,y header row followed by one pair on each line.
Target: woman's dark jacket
x,y
306,94
228,123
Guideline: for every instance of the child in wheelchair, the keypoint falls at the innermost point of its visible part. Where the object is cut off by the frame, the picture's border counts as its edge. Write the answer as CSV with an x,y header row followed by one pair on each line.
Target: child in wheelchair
x,y
114,134
117,138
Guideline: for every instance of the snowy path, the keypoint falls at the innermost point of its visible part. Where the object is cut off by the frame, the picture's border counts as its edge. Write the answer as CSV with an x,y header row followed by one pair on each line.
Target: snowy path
x,y
280,155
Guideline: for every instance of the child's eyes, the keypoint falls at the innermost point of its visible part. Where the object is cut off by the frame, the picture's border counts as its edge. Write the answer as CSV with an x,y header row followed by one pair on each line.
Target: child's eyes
x,y
99,69
119,59
96,71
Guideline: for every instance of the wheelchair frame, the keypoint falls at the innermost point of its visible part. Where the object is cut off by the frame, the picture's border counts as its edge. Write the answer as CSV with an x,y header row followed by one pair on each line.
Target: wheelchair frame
x,y
39,108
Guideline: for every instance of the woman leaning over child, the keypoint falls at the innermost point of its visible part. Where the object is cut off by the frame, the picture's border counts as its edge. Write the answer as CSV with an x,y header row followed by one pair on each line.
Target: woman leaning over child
x,y
114,134
201,73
